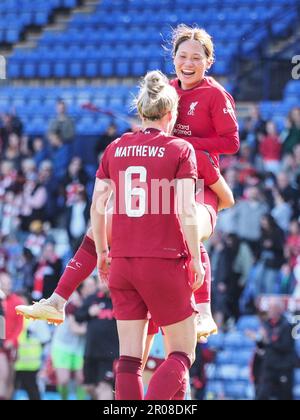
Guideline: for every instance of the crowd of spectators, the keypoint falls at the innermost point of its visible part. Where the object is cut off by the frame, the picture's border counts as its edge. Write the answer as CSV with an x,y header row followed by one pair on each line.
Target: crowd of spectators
x,y
256,248
44,212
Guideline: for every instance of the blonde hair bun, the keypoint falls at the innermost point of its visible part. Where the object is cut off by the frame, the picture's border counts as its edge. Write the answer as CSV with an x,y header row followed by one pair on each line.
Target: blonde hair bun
x,y
156,97
155,82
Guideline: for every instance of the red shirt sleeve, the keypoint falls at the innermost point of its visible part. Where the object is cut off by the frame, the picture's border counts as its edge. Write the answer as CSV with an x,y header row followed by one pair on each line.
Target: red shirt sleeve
x,y
222,145
207,170
227,142
187,167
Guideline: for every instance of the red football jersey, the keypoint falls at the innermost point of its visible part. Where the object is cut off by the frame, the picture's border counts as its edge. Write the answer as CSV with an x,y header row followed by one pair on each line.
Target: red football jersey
x,y
145,223
206,115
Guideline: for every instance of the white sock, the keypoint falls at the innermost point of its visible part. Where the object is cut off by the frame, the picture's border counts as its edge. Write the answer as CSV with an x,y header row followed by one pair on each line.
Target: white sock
x,y
204,309
57,301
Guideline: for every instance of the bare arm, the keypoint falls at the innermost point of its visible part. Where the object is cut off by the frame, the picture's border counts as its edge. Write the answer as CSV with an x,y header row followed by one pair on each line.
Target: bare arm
x,y
224,193
101,196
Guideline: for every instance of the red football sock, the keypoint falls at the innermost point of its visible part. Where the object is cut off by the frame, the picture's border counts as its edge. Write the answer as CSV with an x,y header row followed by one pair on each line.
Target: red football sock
x,y
203,295
129,383
169,377
79,269
181,393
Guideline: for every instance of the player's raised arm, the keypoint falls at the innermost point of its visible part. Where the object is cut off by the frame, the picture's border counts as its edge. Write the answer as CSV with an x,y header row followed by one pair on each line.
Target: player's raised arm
x,y
224,193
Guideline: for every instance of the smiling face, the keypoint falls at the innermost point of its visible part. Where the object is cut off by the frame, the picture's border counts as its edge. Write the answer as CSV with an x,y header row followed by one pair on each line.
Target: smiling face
x,y
191,63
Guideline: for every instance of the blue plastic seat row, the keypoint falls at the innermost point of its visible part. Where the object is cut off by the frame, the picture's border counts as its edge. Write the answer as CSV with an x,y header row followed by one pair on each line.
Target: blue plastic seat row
x,y
105,68
13,5
242,358
92,68
85,126
16,15
292,88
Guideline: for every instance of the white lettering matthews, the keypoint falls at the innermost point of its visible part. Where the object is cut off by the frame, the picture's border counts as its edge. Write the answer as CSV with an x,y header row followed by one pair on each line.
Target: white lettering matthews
x,y
140,151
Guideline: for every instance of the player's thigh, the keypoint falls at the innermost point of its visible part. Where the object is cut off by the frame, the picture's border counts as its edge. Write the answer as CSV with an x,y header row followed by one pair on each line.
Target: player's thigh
x,y
164,285
204,222
132,337
128,304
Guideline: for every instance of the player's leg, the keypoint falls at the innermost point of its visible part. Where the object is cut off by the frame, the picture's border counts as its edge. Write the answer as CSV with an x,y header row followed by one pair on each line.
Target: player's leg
x,y
132,338
131,314
206,325
171,377
79,268
204,222
164,287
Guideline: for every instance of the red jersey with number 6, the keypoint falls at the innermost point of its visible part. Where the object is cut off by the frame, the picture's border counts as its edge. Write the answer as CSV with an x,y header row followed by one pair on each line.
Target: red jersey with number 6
x,y
143,167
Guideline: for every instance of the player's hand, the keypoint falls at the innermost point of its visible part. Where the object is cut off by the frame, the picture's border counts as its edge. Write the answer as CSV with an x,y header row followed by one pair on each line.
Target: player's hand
x,y
198,273
104,263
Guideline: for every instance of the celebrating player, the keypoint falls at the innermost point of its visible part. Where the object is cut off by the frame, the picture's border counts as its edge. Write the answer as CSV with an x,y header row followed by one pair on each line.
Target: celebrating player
x,y
151,275
206,119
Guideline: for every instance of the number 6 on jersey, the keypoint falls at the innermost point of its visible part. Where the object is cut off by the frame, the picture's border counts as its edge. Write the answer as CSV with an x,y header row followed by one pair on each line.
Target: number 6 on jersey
x,y
135,192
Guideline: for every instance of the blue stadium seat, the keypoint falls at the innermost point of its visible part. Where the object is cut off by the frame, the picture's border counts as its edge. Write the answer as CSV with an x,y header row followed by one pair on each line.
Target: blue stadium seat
x,y
29,69
44,69
106,68
248,323
91,69
236,390
60,69
122,68
215,389
237,340
125,31
228,372
139,68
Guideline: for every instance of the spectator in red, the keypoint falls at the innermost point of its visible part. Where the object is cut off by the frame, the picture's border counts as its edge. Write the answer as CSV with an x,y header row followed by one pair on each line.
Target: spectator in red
x,y
13,329
47,273
270,148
